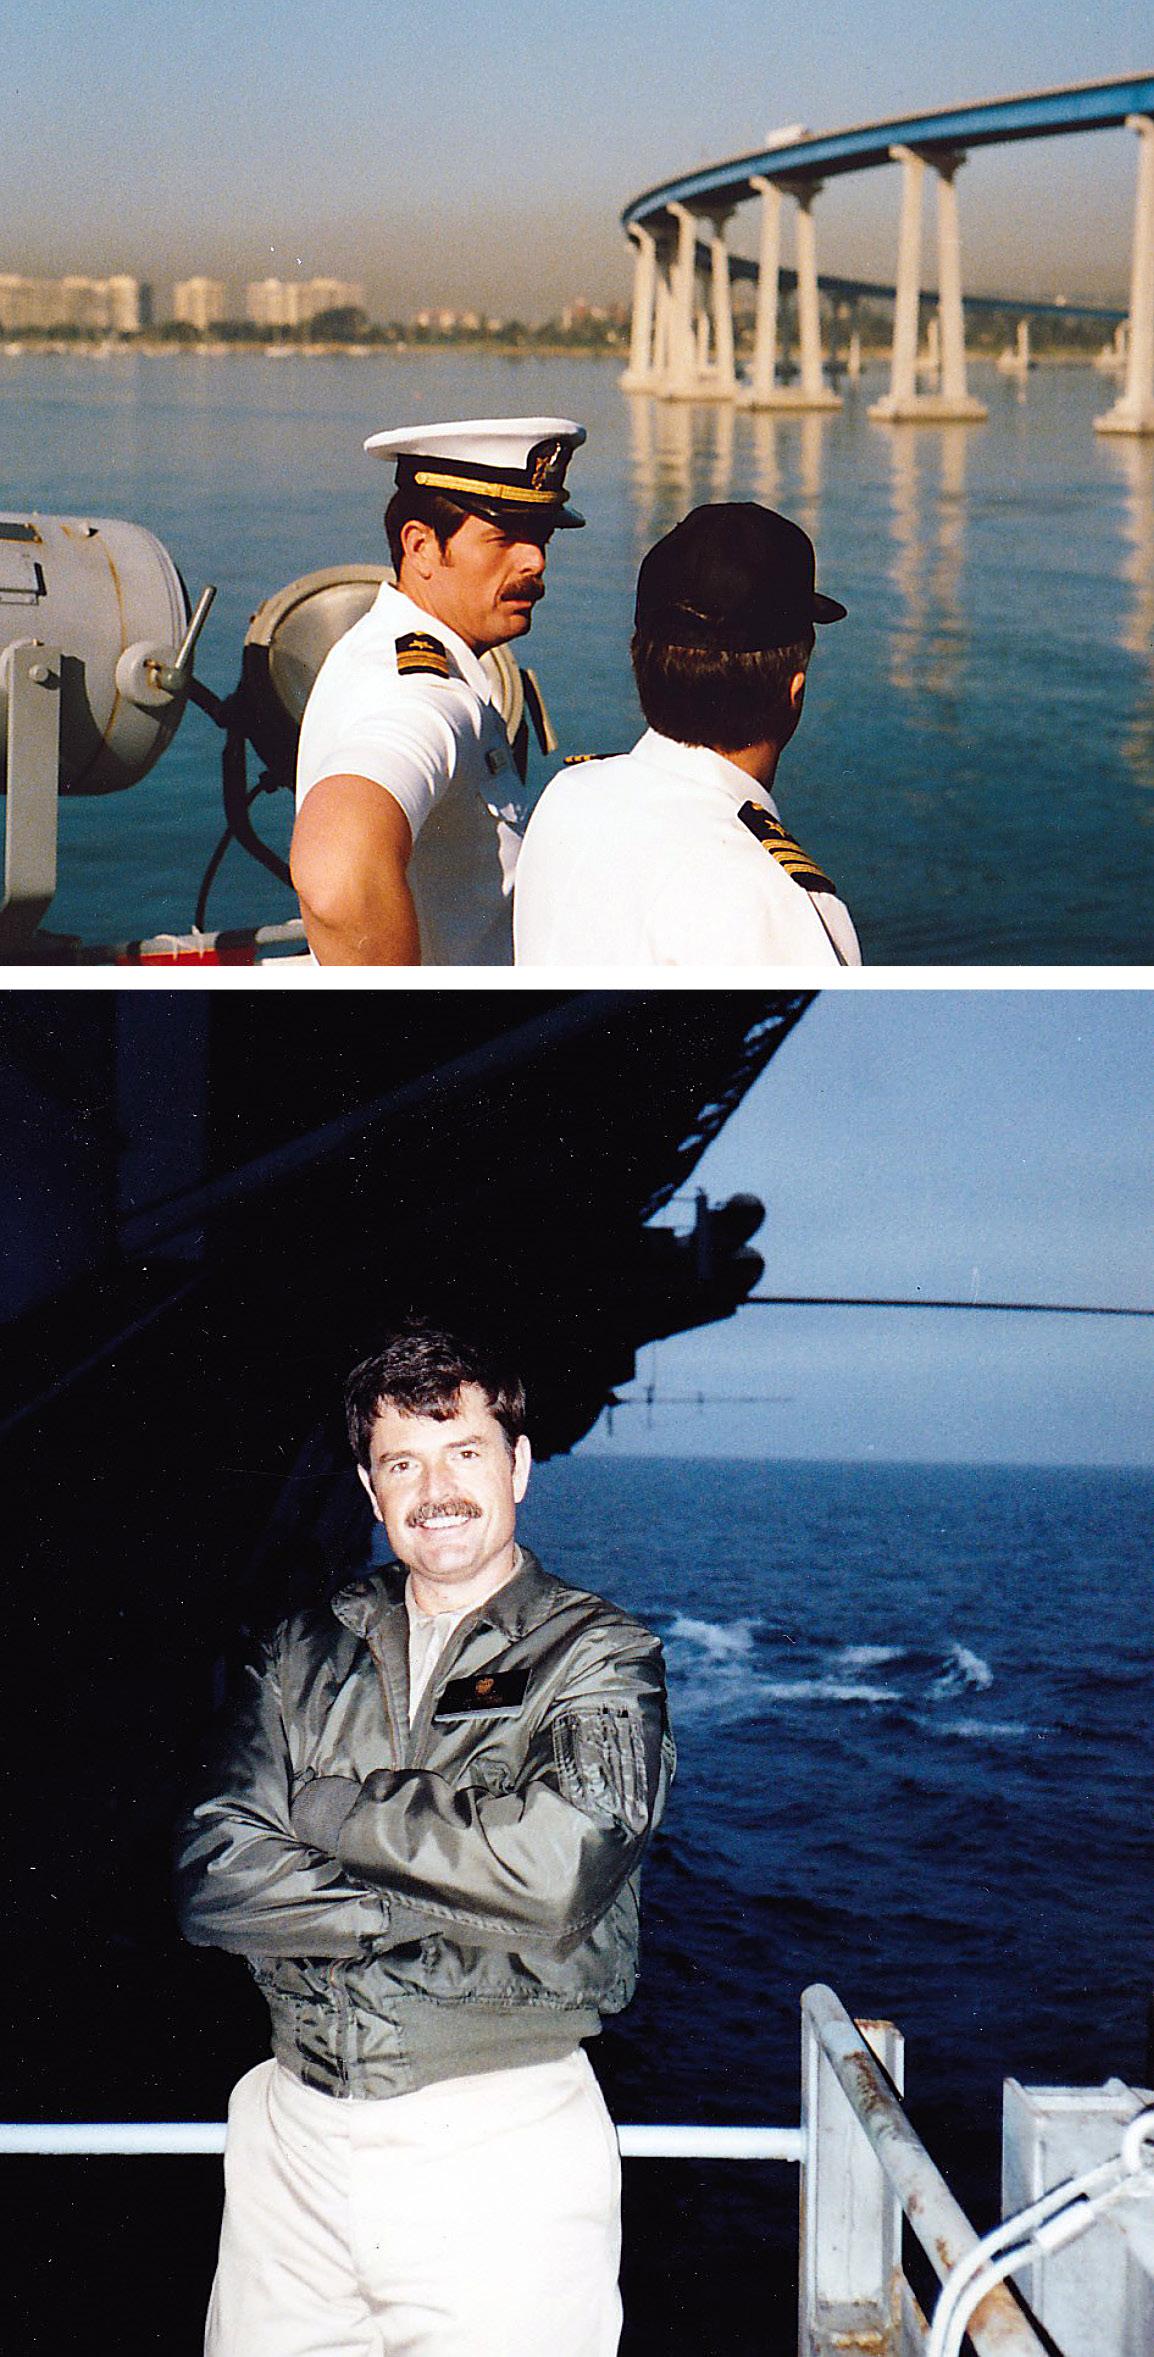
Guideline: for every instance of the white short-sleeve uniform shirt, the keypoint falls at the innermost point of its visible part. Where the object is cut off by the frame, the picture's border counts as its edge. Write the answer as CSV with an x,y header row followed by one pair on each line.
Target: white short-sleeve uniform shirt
x,y
643,861
438,746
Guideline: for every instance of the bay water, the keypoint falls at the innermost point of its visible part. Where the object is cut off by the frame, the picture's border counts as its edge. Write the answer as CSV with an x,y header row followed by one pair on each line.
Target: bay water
x,y
975,767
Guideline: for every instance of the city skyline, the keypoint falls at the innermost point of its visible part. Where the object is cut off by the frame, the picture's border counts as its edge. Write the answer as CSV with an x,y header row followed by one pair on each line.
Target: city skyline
x,y
339,145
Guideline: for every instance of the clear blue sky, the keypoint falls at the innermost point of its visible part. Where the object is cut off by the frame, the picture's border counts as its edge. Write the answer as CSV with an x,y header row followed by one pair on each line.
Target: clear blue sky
x,y
484,153
959,1144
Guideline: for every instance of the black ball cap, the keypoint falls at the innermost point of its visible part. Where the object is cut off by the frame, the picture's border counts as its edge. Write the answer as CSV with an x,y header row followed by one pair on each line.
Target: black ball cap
x,y
732,575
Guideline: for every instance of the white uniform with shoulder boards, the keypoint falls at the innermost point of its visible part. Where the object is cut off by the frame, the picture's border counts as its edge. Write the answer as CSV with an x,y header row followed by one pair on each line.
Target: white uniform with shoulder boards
x,y
401,699
670,856
404,701
674,854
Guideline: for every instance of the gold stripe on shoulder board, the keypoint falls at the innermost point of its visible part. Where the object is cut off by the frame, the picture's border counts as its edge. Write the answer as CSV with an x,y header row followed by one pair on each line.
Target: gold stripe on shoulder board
x,y
419,651
771,834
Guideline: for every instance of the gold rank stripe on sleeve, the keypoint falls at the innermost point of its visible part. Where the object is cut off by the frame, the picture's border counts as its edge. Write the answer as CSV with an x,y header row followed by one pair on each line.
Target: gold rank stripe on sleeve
x,y
417,651
789,854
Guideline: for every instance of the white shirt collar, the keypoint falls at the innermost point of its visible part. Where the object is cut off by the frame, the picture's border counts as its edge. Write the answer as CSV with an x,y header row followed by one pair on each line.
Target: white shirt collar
x,y
700,761
389,598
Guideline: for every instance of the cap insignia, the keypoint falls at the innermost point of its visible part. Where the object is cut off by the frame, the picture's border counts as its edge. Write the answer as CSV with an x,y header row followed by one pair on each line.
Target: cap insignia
x,y
547,463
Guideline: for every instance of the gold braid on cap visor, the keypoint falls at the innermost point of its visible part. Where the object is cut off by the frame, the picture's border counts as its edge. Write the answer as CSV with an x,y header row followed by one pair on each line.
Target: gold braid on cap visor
x,y
488,490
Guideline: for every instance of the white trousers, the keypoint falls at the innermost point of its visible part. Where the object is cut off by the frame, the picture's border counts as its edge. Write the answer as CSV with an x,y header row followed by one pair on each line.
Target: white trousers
x,y
476,2218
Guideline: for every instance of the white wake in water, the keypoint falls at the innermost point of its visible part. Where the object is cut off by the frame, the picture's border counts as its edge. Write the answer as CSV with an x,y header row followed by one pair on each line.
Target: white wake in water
x,y
734,1670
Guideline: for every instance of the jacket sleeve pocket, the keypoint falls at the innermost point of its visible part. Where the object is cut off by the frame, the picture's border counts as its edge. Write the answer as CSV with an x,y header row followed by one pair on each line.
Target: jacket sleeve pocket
x,y
599,1757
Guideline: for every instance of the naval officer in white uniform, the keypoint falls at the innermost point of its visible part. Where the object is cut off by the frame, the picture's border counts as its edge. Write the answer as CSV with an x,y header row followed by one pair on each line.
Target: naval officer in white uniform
x,y
675,854
405,837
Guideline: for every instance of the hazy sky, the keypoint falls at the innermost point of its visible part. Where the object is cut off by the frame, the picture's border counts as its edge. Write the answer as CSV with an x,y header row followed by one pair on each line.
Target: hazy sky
x,y
988,1144
484,154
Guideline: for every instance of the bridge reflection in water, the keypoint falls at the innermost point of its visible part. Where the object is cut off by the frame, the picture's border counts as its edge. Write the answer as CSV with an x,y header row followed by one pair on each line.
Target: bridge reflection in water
x,y
682,453
683,343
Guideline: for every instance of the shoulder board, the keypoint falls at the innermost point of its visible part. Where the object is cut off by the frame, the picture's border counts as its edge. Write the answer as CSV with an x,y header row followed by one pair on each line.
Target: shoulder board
x,y
574,760
418,651
796,862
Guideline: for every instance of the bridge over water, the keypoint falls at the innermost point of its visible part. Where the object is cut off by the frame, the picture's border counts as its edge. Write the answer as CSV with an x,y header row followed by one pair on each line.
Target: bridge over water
x,y
682,339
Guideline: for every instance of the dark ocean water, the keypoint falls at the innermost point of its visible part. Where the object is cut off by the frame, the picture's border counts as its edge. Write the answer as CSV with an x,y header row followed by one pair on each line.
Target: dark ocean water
x,y
913,1709
976,764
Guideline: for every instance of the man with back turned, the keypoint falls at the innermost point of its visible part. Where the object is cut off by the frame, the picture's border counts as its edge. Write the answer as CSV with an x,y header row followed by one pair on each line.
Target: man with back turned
x,y
423,1832
675,854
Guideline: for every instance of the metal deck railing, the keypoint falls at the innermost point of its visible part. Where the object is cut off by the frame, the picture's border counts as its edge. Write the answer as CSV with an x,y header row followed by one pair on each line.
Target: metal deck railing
x,y
863,2169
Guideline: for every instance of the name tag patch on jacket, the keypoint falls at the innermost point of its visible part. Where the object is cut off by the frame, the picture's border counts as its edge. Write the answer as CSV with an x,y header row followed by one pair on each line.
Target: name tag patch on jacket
x,y
796,862
487,1694
417,651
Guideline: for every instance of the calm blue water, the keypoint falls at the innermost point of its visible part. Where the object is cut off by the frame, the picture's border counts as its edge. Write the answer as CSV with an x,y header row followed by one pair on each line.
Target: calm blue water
x,y
913,1714
976,765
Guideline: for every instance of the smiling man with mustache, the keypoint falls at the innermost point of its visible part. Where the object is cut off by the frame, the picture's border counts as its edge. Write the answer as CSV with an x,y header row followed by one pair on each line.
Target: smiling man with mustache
x,y
407,821
424,1830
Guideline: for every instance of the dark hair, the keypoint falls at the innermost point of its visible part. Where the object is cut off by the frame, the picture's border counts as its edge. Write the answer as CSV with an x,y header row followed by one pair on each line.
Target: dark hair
x,y
421,1370
715,695
411,504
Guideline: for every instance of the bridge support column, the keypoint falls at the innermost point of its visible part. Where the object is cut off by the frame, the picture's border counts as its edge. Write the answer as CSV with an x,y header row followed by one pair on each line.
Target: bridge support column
x,y
681,372
815,393
1134,412
662,317
763,390
903,400
638,377
724,383
764,375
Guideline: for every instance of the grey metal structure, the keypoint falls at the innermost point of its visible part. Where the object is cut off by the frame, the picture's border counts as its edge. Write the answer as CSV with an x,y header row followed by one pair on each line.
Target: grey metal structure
x,y
96,649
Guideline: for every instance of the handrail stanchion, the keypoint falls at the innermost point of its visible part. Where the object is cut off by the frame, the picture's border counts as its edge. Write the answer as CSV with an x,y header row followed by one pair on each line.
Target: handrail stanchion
x,y
849,2290
999,2327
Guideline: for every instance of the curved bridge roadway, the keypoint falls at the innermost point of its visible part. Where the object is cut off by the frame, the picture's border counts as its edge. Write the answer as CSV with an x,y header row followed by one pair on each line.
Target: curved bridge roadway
x,y
684,350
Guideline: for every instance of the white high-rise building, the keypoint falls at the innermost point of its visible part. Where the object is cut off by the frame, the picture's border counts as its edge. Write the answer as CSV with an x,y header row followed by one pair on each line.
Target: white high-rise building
x,y
272,302
101,305
200,302
279,302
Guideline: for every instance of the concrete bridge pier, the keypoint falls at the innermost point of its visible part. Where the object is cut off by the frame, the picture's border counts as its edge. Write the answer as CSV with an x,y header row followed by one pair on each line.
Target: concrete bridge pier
x,y
952,400
679,347
1015,360
1133,413
723,381
681,370
763,390
638,377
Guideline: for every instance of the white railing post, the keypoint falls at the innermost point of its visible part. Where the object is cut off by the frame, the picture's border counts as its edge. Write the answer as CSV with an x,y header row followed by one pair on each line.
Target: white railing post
x,y
849,2289
1134,412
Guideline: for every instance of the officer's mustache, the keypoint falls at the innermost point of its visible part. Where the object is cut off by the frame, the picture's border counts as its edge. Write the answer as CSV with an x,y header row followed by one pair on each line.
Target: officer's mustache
x,y
528,592
423,1514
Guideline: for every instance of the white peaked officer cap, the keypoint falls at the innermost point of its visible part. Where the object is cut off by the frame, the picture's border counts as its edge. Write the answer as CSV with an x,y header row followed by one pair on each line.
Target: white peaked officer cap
x,y
507,469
